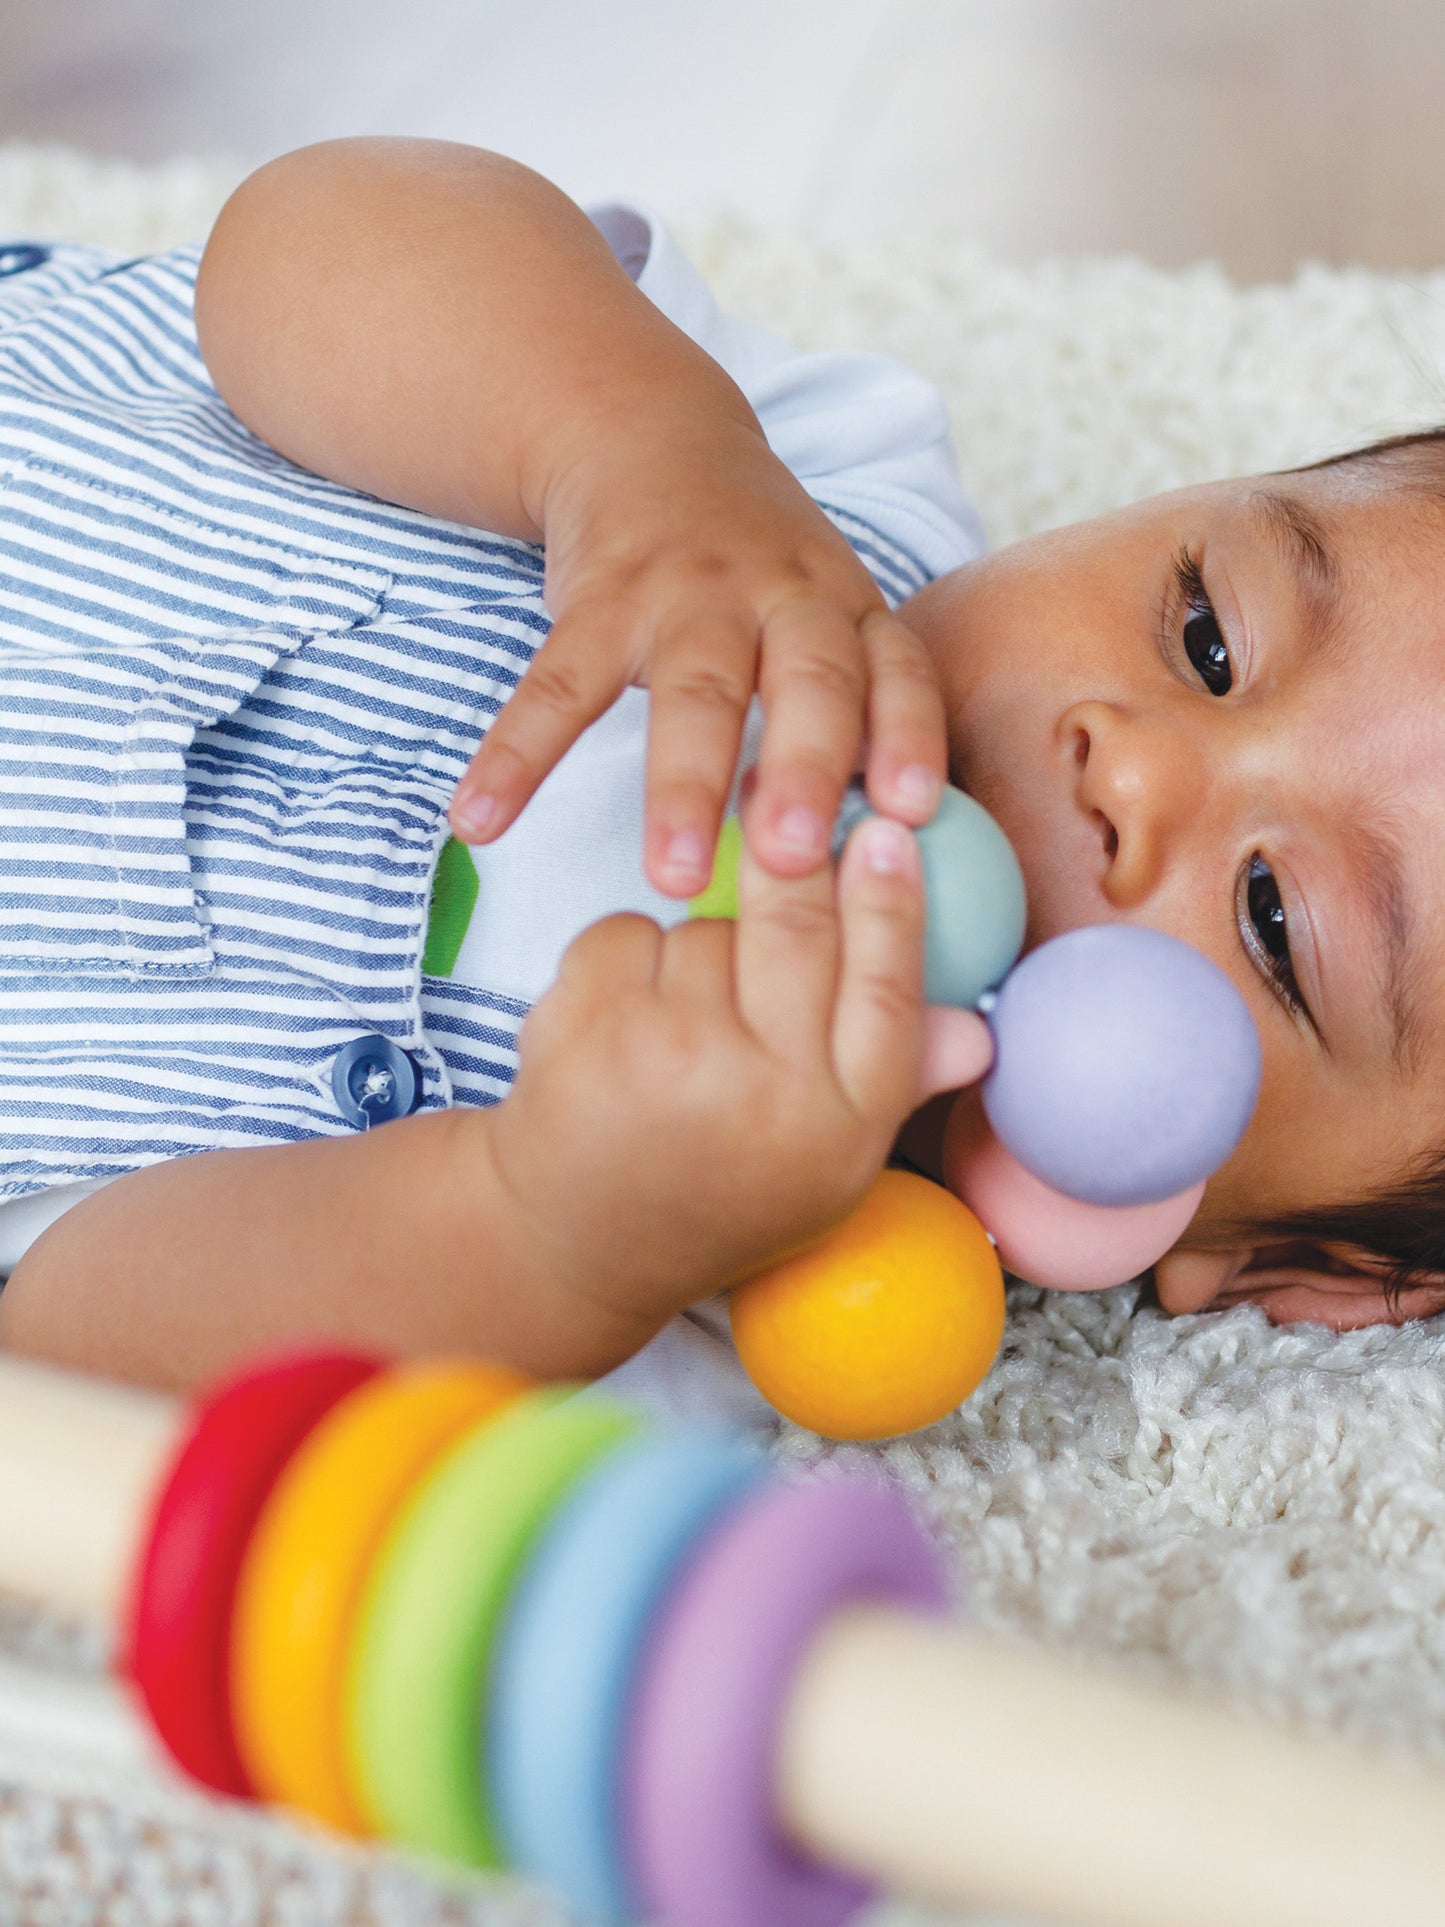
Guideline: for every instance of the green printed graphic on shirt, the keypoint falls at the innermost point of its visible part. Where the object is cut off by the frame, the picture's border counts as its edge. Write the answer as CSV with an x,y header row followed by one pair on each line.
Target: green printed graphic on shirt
x,y
720,898
453,897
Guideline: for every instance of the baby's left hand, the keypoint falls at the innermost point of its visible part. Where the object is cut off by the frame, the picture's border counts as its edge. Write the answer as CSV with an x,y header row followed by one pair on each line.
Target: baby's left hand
x,y
683,555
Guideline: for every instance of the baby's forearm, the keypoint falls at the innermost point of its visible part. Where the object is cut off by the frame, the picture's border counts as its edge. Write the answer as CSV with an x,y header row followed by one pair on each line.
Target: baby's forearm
x,y
402,1239
435,325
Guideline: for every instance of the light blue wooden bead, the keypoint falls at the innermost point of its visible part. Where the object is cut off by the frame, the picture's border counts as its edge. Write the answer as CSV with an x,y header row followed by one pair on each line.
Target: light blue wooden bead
x,y
975,890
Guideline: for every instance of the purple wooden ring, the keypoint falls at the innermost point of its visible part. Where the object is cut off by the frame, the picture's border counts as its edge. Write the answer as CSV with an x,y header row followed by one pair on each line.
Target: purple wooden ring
x,y
698,1754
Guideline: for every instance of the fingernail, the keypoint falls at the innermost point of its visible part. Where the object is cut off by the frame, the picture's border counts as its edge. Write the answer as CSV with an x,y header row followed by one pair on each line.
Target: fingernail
x,y
685,854
916,788
800,830
473,815
889,848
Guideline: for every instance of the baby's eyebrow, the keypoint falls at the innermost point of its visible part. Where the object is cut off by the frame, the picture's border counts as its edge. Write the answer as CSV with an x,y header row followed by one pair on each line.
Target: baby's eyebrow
x,y
1393,919
1305,545
1307,548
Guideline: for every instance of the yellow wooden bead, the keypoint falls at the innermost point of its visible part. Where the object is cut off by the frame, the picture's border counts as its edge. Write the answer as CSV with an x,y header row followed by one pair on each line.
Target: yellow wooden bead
x,y
885,1324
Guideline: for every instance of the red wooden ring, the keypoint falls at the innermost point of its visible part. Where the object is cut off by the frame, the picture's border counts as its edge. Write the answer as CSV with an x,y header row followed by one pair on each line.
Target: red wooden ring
x,y
178,1627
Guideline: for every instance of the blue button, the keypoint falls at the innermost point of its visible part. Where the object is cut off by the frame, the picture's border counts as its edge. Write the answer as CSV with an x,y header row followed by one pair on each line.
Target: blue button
x,y
20,255
374,1081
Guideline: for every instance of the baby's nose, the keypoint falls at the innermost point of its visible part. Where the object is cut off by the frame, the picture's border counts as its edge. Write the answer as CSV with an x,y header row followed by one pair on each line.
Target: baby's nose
x,y
1131,781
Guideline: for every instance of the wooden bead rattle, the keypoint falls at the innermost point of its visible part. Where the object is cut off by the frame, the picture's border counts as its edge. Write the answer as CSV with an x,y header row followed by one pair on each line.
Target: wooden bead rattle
x,y
1126,1068
488,1620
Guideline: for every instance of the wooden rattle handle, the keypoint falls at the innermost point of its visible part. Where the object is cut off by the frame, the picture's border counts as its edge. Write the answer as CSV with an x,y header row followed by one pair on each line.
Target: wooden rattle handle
x,y
80,1461
956,1767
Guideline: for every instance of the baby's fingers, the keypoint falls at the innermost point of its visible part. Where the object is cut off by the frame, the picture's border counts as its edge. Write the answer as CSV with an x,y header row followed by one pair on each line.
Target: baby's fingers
x,y
908,742
701,682
878,1022
814,686
957,1050
578,672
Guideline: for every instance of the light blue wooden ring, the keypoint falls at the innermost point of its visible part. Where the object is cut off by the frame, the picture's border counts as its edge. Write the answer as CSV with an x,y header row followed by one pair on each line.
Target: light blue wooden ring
x,y
575,1631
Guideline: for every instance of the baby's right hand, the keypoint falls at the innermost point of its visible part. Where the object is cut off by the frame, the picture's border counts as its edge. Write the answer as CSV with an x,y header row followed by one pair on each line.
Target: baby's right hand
x,y
693,1104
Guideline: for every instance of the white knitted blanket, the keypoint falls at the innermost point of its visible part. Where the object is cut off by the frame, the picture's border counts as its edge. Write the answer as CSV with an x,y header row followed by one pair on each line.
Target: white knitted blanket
x,y
1258,1512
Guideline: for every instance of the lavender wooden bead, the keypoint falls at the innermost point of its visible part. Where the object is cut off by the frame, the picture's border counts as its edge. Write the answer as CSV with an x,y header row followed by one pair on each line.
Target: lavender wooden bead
x,y
1127,1068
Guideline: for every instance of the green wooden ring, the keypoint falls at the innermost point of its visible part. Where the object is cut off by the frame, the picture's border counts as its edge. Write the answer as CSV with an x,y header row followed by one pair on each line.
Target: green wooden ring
x,y
433,1610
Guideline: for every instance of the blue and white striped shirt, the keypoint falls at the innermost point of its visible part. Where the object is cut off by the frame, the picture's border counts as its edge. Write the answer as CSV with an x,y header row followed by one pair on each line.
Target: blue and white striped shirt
x,y
235,698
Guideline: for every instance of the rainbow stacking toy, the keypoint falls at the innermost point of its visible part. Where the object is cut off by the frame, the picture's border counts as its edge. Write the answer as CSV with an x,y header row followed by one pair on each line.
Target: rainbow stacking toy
x,y
499,1623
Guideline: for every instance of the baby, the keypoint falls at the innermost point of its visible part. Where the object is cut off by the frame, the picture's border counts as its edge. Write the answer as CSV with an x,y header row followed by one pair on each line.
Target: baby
x,y
242,685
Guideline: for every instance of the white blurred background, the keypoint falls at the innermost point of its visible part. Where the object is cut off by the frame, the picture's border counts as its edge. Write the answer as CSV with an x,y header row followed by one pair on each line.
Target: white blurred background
x,y
1255,132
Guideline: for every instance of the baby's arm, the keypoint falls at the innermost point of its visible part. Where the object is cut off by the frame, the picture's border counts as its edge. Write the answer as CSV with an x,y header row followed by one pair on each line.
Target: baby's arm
x,y
443,328
691,1104
436,325
402,1238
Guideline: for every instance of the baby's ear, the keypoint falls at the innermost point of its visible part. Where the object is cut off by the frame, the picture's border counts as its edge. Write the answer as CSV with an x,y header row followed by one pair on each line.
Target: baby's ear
x,y
1293,1284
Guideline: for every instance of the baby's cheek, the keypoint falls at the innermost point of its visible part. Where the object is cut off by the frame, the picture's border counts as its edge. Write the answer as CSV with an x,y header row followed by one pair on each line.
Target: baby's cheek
x,y
1275,1161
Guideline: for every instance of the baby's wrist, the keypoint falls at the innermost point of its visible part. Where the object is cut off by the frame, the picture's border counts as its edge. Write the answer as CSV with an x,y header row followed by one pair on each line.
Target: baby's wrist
x,y
659,418
556,1310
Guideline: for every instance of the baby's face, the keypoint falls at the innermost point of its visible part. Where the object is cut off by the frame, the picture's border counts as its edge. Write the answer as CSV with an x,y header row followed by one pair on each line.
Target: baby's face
x,y
1221,713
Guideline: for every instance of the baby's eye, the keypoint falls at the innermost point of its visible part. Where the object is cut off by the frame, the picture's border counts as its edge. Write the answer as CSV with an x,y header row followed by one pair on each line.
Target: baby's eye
x,y
1266,917
1205,647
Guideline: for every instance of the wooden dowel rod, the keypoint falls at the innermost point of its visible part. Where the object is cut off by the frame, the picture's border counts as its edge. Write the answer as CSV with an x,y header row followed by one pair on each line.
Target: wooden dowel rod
x,y
80,1459
957,1768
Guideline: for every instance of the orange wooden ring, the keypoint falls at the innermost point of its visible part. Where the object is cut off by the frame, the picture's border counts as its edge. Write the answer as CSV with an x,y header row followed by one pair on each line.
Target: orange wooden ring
x,y
308,1561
